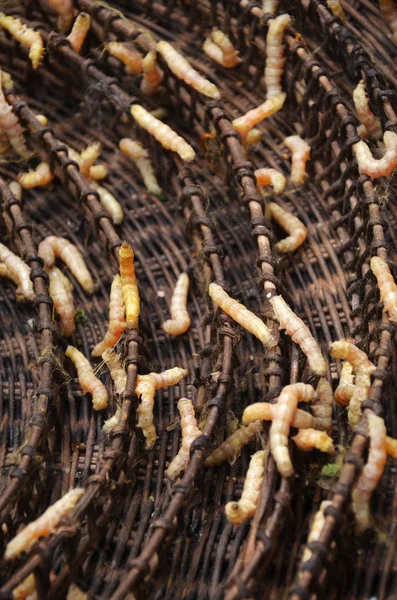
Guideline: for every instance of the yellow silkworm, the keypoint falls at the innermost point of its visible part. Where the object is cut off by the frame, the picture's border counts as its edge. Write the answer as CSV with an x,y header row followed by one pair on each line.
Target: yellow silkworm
x,y
87,158
108,202
299,333
129,285
239,512
87,378
231,448
345,389
322,405
41,175
291,224
117,323
218,47
61,291
316,529
140,156
272,177
65,11
370,122
336,8
98,172
239,313
300,155
373,167
27,589
45,525
53,246
371,473
117,373
387,286
10,126
246,122
391,447
19,272
168,138
283,415
42,119
270,6
190,432
184,71
5,272
131,59
26,36
80,28
263,411
308,439
253,137
389,11
180,320
152,74
275,56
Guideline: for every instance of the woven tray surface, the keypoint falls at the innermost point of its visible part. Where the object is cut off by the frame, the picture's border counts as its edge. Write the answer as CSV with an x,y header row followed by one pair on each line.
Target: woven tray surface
x,y
134,534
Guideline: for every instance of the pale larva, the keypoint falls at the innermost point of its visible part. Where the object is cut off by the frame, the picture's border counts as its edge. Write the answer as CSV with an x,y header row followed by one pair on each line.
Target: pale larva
x,y
336,8
162,133
152,74
27,37
390,13
387,286
231,448
270,6
253,137
263,411
238,512
131,59
382,167
129,285
65,10
140,156
322,405
46,524
117,323
300,155
371,473
61,291
272,177
16,189
308,439
87,158
370,122
391,447
345,389
239,313
292,225
190,432
41,175
218,47
5,272
299,333
180,320
87,379
19,270
53,246
108,202
98,172
316,529
80,28
11,127
246,122
274,56
283,415
117,373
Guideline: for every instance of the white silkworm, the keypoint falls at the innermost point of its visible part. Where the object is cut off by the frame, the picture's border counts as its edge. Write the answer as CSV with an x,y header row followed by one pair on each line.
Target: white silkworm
x,y
152,74
238,512
129,286
308,439
53,246
336,8
275,56
322,405
370,122
190,432
65,10
264,411
140,156
61,291
5,272
80,28
390,13
18,270
246,122
10,125
345,389
87,378
300,155
41,175
218,47
272,177
117,373
270,6
26,36
387,286
108,201
131,59
316,529
231,448
117,322
373,167
291,224
180,320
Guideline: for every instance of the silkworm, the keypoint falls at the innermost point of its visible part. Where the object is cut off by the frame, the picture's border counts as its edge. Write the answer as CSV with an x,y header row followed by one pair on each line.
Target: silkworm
x,y
291,224
184,71
145,389
131,59
308,439
272,177
180,320
239,512
300,155
190,432
140,156
373,167
371,473
26,36
316,529
5,272
16,189
27,590
98,172
80,28
336,8
87,379
345,389
253,137
19,270
387,286
53,246
264,411
117,323
239,313
166,136
129,285
391,447
231,448
274,56
370,122
46,524
10,125
218,47
390,13
299,333
109,202
270,6
284,412
41,175
322,405
246,122
152,74
117,373
87,158
65,11
61,291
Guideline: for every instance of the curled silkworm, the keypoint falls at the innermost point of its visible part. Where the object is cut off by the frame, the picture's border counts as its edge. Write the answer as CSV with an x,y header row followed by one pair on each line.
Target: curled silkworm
x,y
26,36
180,320
218,47
264,411
117,373
87,158
373,167
372,471
10,126
272,177
131,59
322,405
46,524
190,432
87,379
246,122
275,56
387,286
238,512
61,291
183,70
152,74
270,6
5,272
390,13
299,333
300,155
316,529
140,156
80,28
109,202
239,313
283,415
307,439
18,270
162,133
117,323
129,285
231,448
53,246
370,122
41,175
336,8
65,11
292,225
345,389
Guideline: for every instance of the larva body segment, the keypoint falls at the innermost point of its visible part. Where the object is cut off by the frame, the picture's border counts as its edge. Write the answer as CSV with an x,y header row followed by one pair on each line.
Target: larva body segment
x,y
275,56
238,512
391,447
98,172
272,177
65,10
190,432
322,406
61,291
387,286
283,415
371,473
19,271
80,28
41,175
308,439
373,167
140,156
53,246
46,524
231,448
10,126
300,155
389,11
253,137
368,119
5,272
246,122
239,313
16,189
131,59
345,389
108,201
129,286
117,322
336,8
184,71
117,373
292,225
316,529
180,320
26,36
299,333
152,74
218,47
270,6
264,411
27,590
87,158
87,379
